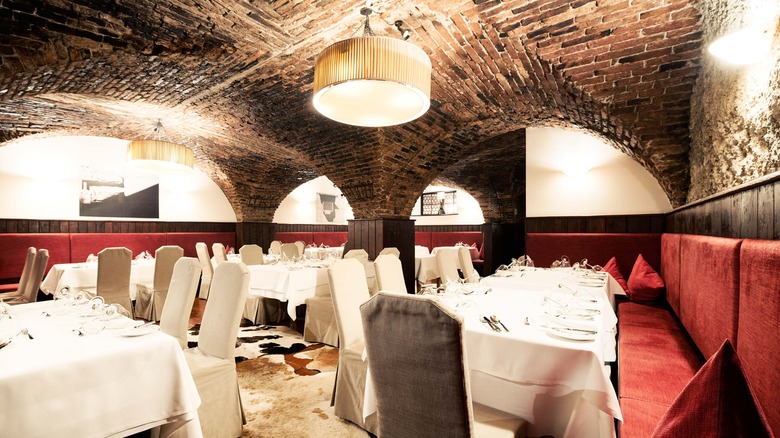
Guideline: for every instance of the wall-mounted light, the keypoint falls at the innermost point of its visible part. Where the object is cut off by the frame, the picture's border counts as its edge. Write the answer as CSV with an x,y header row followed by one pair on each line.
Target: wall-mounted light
x,y
743,47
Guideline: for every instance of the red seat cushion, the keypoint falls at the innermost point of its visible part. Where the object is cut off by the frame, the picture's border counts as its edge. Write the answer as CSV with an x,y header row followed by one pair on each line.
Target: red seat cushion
x,y
717,402
644,284
639,417
614,270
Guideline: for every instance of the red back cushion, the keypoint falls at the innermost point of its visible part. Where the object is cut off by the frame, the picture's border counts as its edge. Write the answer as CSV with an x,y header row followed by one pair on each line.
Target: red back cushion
x,y
759,322
330,238
84,244
187,241
14,249
612,268
598,248
644,284
670,269
717,402
293,236
423,238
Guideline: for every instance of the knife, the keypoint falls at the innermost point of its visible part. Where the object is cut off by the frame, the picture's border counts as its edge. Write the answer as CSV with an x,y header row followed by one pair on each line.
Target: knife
x,y
490,323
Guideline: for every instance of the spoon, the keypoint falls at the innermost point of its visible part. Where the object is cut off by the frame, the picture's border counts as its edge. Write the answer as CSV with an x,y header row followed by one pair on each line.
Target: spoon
x,y
495,319
490,323
5,342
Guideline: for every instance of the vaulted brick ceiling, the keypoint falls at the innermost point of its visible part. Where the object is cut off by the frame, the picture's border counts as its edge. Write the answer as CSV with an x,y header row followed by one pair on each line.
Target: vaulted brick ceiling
x,y
233,80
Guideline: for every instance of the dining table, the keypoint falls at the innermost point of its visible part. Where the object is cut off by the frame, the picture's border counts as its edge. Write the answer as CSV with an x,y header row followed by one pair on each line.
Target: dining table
x,y
323,252
426,270
84,276
549,361
286,281
82,374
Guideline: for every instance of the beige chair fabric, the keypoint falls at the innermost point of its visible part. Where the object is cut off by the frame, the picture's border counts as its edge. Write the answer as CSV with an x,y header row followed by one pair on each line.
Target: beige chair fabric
x,y
113,277
368,268
389,274
33,284
421,251
275,248
301,245
251,254
466,265
348,294
359,254
150,298
175,316
29,261
207,270
320,323
290,251
420,381
446,260
220,255
212,362
390,250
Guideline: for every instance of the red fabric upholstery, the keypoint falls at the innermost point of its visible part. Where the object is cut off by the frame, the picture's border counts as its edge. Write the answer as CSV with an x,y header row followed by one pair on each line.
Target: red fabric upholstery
x,y
14,247
644,284
758,344
717,402
639,418
84,244
670,269
648,315
612,268
423,238
293,236
709,290
188,240
330,238
598,248
450,238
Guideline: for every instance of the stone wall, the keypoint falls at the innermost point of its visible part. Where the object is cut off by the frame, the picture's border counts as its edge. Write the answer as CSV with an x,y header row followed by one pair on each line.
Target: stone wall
x,y
735,111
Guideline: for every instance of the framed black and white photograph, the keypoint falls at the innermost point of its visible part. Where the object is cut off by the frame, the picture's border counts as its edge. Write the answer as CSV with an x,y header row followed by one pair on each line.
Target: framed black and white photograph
x,y
126,194
328,209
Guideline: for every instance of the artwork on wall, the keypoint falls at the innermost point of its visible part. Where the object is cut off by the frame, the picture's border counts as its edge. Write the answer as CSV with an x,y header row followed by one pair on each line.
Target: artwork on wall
x,y
329,209
125,194
438,203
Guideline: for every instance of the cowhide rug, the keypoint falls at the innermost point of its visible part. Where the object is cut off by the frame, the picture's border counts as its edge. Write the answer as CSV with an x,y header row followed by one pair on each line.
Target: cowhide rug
x,y
286,384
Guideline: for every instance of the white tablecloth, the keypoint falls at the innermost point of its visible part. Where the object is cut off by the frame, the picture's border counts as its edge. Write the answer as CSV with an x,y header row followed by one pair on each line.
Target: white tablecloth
x,y
61,384
426,270
473,252
84,276
323,253
292,283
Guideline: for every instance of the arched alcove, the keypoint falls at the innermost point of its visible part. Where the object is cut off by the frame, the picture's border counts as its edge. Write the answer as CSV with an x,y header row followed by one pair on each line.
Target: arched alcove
x,y
317,201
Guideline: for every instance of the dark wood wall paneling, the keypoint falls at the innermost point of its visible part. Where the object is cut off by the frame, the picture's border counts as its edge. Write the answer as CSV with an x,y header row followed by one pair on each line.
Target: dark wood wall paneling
x,y
440,228
644,223
57,226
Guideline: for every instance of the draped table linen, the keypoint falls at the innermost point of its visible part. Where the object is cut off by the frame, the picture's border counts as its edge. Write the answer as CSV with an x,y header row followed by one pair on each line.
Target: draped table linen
x,y
84,276
293,283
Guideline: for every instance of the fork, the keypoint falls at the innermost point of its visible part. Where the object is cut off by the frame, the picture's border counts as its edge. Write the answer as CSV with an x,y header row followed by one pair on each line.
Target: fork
x,y
25,333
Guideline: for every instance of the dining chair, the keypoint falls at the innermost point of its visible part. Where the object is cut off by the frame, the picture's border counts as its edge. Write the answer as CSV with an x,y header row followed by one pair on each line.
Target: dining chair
x,y
219,252
419,372
113,276
470,274
320,321
290,251
420,251
275,248
446,261
301,247
150,298
368,267
251,254
175,316
34,278
348,294
390,250
29,261
389,274
212,362
207,269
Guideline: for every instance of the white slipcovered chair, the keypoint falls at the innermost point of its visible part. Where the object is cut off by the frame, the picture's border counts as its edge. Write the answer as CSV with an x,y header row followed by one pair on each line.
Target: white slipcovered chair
x,y
251,254
301,247
421,381
320,322
447,262
212,362
34,278
275,248
421,251
470,275
348,294
220,255
389,274
29,261
390,250
150,298
362,256
290,251
207,269
178,304
113,276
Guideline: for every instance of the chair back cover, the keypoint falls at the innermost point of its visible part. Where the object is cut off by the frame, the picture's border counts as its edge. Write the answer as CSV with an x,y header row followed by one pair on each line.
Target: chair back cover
x,y
420,251
224,309
290,250
446,260
359,254
24,280
390,250
275,248
207,270
389,274
113,277
219,252
36,276
348,294
251,254
466,265
418,364
301,247
164,259
181,294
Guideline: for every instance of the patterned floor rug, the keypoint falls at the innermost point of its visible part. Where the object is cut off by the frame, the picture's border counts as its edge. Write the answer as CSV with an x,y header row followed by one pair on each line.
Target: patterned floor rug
x,y
286,384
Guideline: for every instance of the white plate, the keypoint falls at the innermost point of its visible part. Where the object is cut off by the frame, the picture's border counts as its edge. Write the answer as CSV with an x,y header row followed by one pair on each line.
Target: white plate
x,y
571,335
140,330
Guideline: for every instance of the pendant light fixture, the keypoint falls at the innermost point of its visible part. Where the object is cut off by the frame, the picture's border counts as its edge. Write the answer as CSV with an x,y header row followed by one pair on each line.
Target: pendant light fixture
x,y
159,154
372,81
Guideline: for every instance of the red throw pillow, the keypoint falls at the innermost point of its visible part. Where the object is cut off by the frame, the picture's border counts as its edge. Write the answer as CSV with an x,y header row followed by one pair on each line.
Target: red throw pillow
x,y
644,284
612,268
717,402
482,251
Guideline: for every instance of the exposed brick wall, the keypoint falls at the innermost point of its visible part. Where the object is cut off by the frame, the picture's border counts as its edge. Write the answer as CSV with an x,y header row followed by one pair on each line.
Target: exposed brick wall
x,y
233,80
735,111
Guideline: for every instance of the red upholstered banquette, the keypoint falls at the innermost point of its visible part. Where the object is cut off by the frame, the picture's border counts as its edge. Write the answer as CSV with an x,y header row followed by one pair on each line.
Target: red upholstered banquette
x,y
330,238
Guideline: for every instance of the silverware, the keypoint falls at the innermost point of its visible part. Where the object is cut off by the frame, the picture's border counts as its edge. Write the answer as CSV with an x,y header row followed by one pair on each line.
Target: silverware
x,y
25,333
495,319
490,323
5,342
